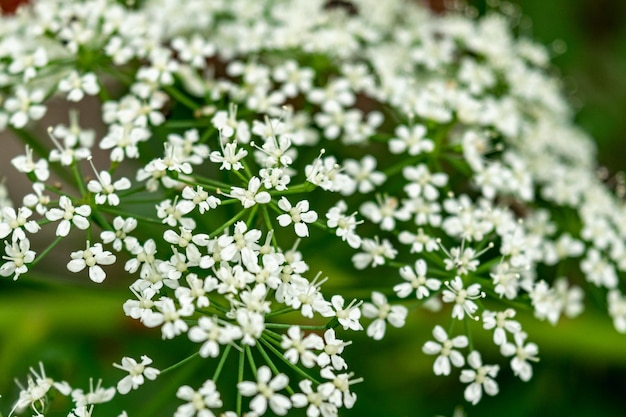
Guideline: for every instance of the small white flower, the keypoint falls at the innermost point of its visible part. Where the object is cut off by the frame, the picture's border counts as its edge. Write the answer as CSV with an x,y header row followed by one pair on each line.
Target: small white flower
x,y
416,281
105,189
91,258
300,348
26,165
333,348
411,140
522,353
298,215
230,156
479,378
199,402
24,106
445,350
349,316
68,214
383,312
317,402
462,298
136,373
251,196
501,323
617,309
337,390
212,335
346,225
121,228
18,254
76,86
265,392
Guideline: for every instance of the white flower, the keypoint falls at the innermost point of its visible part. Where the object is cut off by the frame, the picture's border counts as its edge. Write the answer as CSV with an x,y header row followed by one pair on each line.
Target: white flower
x,y
34,395
462,298
375,253
501,323
212,335
412,140
364,174
97,395
264,392
169,317
300,348
199,402
18,254
68,214
120,235
105,189
416,281
333,348
26,164
348,317
337,390
617,310
317,402
423,183
92,258
346,225
136,373
521,355
298,215
197,198
12,222
230,157
479,378
445,350
383,312
25,106
76,85
251,196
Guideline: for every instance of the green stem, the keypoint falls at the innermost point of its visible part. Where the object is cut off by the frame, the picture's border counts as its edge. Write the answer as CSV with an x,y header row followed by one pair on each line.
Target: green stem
x,y
45,251
228,223
292,366
286,326
221,363
79,179
242,357
179,364
181,98
271,363
251,360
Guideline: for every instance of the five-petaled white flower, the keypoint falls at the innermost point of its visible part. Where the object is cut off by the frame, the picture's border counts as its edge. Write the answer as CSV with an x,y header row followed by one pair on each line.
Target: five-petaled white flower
x,y
479,378
92,257
18,254
445,350
251,196
521,353
105,188
299,215
136,373
416,281
68,214
383,312
199,402
265,392
462,298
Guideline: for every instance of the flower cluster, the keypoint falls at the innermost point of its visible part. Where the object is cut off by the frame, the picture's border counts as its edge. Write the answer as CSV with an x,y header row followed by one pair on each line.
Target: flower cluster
x,y
436,149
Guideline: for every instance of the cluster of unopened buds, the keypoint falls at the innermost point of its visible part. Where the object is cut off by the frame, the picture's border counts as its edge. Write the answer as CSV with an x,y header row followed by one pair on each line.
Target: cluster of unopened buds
x,y
434,153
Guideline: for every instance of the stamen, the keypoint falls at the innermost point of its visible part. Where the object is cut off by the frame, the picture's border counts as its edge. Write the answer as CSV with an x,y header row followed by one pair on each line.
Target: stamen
x,y
54,139
90,159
